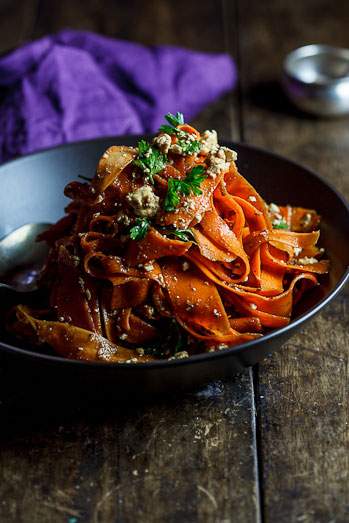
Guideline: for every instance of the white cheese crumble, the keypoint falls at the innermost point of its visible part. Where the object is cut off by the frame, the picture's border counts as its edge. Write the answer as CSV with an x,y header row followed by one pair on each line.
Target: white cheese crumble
x,y
209,141
163,142
274,208
253,306
306,260
148,266
185,266
180,355
252,199
307,219
278,221
144,201
176,148
230,155
217,160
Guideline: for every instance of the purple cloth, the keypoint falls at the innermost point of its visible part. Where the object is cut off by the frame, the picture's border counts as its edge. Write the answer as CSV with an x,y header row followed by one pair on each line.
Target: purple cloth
x,y
76,85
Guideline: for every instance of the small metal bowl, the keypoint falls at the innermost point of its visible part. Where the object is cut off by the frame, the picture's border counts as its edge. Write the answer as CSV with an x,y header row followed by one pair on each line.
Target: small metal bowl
x,y
316,79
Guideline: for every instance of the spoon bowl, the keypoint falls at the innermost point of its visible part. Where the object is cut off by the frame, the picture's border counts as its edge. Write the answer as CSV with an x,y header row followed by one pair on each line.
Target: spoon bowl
x,y
22,257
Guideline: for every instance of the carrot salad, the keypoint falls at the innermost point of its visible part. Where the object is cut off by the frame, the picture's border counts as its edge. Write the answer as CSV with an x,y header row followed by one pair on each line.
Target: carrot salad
x,y
168,252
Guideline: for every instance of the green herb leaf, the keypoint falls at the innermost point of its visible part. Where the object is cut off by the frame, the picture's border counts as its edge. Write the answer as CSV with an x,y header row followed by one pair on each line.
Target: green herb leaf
x,y
191,184
150,159
158,351
188,146
139,230
175,120
171,200
185,234
192,181
192,147
169,130
281,225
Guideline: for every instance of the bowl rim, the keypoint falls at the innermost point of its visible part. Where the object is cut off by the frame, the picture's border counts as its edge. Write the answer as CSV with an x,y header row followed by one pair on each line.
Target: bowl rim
x,y
197,358
313,50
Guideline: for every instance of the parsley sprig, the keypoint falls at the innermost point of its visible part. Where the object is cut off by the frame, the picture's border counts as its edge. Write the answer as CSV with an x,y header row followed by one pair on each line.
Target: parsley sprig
x,y
139,230
174,121
190,184
280,225
150,159
189,146
183,234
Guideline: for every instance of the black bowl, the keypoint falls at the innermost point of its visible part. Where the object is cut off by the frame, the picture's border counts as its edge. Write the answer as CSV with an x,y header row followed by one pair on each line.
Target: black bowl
x,y
32,191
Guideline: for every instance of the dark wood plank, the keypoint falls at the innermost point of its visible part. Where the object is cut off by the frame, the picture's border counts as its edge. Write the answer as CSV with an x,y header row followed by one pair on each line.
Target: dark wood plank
x,y
17,19
303,420
302,395
185,458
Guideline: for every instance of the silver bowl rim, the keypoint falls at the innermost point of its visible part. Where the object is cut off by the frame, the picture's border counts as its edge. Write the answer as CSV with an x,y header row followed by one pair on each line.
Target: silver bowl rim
x,y
314,50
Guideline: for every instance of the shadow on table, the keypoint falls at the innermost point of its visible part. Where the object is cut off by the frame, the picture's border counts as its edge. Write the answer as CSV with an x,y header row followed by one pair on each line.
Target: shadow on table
x,y
28,406
270,95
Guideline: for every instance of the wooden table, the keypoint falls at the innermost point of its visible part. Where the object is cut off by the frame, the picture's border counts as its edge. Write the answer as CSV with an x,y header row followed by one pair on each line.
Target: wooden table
x,y
269,445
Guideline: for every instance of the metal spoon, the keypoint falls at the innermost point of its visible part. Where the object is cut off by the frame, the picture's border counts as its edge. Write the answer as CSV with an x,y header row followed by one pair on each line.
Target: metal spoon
x,y
22,258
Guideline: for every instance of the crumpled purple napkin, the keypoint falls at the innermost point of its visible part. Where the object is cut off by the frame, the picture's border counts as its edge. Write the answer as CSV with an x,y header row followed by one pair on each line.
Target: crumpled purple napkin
x,y
76,85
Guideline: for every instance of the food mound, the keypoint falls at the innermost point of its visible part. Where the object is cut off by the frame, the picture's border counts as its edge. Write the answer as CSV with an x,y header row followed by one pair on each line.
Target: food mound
x,y
169,252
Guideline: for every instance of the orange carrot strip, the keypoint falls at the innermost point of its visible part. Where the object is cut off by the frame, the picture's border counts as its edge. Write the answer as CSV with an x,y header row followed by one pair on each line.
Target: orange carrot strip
x,y
76,343
193,298
112,163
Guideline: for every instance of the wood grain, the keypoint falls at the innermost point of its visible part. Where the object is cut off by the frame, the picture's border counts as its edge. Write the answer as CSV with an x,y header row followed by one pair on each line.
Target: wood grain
x,y
17,20
301,391
184,458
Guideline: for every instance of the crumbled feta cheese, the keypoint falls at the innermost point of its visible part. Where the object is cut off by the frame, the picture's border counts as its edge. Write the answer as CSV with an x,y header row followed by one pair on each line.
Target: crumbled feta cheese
x,y
297,250
252,199
185,266
148,153
253,306
144,201
274,208
306,260
216,161
163,142
209,141
278,222
230,155
123,219
148,266
132,360
177,149
307,219
180,355
222,346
